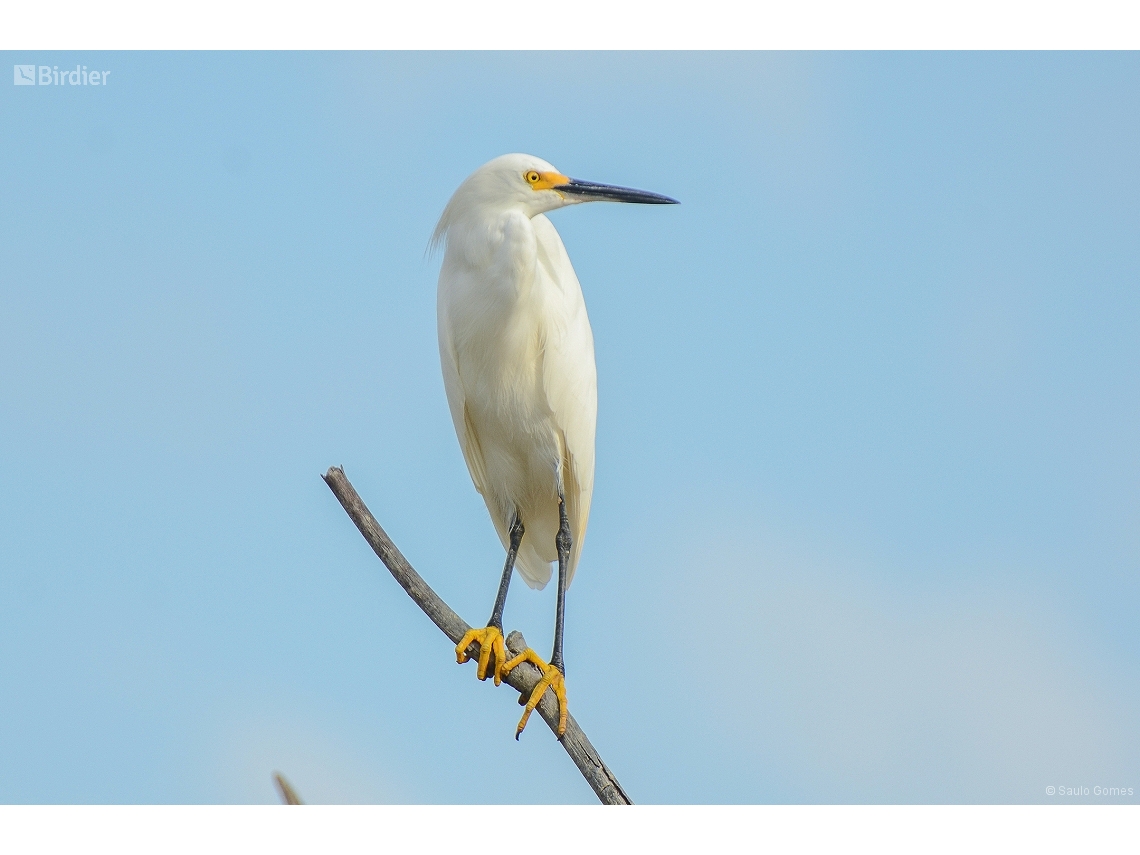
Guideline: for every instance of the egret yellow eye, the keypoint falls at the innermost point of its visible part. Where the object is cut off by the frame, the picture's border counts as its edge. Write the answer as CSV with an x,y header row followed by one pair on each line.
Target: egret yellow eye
x,y
532,177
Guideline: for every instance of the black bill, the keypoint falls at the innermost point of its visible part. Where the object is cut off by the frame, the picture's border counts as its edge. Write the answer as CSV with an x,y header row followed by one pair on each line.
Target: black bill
x,y
588,191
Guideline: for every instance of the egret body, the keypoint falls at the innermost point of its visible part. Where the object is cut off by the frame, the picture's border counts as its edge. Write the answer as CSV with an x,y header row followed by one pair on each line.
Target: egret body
x,y
518,366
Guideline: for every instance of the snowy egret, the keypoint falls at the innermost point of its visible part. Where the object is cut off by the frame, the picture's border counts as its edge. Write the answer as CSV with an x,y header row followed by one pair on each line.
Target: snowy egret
x,y
518,366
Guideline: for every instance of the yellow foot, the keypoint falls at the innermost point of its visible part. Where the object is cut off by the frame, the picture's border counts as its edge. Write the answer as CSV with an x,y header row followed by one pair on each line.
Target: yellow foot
x,y
491,646
551,679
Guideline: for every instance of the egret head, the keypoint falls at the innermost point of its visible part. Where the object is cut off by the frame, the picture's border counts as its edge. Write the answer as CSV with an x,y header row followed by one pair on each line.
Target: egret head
x,y
528,183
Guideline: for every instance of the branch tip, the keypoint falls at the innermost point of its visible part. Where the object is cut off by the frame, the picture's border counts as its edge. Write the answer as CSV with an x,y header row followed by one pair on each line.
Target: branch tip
x,y
522,678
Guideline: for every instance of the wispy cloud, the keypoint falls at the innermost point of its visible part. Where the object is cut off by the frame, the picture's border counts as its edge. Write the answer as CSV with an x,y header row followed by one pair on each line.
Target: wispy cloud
x,y
841,682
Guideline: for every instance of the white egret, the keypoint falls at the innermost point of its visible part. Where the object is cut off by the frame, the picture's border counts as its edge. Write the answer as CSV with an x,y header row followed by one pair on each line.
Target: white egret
x,y
518,366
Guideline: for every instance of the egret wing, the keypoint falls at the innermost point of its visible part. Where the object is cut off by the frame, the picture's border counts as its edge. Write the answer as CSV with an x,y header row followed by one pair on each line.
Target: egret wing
x,y
456,403
569,380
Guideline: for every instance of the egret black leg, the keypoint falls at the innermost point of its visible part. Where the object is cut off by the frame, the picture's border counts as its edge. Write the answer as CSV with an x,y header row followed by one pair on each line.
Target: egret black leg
x,y
563,541
492,646
553,672
516,533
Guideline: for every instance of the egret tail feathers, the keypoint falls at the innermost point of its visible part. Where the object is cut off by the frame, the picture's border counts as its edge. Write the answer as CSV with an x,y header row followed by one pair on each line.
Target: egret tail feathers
x,y
534,569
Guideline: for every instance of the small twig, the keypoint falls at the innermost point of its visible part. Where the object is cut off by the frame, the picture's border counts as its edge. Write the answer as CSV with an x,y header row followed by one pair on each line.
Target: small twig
x,y
523,678
285,790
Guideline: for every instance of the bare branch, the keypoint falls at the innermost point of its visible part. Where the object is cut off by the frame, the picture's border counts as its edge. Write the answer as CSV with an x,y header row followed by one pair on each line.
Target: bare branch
x,y
523,678
285,790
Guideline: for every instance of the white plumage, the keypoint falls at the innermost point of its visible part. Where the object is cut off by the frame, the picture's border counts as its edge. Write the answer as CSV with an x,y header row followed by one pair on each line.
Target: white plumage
x,y
518,366
518,358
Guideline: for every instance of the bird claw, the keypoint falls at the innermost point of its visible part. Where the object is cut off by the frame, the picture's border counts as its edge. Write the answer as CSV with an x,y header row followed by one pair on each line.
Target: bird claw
x,y
491,646
551,679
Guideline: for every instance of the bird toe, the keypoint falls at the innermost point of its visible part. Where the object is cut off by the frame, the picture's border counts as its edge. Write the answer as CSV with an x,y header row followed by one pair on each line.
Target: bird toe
x,y
492,652
552,679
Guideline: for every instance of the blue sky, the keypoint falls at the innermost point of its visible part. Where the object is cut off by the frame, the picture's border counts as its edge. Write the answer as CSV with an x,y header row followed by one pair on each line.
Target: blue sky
x,y
867,514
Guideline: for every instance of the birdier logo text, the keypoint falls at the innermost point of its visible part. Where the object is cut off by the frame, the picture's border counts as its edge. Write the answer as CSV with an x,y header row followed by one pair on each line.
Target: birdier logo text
x,y
53,75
